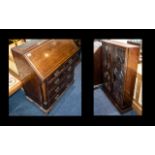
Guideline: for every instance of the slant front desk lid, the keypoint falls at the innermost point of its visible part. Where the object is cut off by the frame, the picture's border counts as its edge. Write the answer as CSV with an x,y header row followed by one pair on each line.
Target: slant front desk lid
x,y
45,56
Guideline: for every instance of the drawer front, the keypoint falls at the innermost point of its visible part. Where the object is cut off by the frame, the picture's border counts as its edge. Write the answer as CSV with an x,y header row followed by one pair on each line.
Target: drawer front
x,y
56,74
69,63
56,90
53,98
57,82
65,68
52,92
51,84
69,77
69,69
57,86
73,60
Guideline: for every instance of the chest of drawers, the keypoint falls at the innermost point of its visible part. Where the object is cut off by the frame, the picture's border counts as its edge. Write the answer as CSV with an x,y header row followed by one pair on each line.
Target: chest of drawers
x,y
119,66
46,69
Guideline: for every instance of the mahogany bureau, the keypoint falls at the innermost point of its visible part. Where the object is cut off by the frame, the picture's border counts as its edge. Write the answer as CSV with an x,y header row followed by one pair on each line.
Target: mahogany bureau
x,y
119,68
46,69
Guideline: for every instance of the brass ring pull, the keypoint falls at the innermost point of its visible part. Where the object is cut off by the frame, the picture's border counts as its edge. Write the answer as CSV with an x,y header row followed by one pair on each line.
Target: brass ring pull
x,y
57,89
56,73
56,97
70,61
57,81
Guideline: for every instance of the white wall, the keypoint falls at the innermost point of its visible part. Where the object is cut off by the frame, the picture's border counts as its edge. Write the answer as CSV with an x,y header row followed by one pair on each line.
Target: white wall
x,y
121,40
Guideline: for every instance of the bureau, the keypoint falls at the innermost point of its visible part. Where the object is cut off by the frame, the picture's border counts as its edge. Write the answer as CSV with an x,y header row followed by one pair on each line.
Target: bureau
x,y
119,66
46,69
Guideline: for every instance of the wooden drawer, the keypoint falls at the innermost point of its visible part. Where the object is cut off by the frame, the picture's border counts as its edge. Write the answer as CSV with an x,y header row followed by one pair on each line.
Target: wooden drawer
x,y
72,60
52,92
58,79
69,77
55,81
57,88
57,92
57,73
67,66
54,97
69,69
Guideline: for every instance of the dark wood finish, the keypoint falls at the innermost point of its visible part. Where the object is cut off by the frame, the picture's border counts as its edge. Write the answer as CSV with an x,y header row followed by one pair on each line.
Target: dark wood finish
x,y
97,63
119,65
46,68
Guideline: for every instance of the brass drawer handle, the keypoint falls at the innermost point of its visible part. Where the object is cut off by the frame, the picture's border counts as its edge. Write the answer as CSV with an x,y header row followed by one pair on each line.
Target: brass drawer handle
x,y
57,81
56,97
69,69
57,89
70,61
56,73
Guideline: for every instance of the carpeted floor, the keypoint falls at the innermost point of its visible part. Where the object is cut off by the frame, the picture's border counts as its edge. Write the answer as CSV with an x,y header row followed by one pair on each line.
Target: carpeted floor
x,y
68,105
104,107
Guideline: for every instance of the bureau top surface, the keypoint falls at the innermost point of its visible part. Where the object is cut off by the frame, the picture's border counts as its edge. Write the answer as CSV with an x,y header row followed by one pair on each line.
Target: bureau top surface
x,y
46,56
121,44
